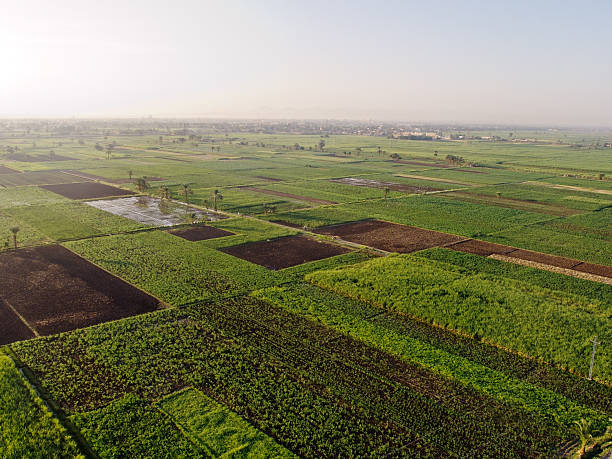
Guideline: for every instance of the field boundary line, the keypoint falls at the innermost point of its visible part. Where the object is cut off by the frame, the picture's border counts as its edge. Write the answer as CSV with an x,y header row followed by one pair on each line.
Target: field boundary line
x,y
25,322
554,269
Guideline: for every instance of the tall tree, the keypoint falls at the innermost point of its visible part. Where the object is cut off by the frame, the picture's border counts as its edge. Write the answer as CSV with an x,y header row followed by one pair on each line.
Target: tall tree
x,y
141,184
186,190
15,230
216,196
164,192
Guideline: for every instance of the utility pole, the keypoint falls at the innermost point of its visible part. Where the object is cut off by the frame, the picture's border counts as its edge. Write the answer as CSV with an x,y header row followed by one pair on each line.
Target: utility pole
x,y
595,343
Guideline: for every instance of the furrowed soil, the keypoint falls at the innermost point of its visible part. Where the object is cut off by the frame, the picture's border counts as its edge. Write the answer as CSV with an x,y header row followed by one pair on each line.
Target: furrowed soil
x,y
86,190
12,327
391,237
284,252
55,290
200,233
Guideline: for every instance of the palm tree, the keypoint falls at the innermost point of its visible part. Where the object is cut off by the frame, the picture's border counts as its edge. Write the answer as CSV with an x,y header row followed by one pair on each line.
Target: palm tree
x,y
15,230
216,195
164,192
141,184
583,430
186,191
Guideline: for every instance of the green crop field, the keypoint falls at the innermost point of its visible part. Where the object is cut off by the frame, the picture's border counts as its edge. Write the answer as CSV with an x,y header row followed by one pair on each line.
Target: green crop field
x,y
254,335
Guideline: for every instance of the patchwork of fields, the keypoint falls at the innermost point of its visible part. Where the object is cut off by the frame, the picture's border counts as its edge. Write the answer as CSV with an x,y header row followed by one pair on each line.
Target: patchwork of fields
x,y
238,296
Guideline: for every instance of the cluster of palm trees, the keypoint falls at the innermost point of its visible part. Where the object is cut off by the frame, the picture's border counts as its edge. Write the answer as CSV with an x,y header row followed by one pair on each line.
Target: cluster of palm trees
x,y
166,194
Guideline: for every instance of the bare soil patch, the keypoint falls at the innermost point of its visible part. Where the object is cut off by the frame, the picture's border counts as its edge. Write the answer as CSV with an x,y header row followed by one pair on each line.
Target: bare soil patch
x,y
554,269
12,327
285,251
86,190
7,170
476,247
88,176
390,237
286,195
200,233
544,258
55,290
369,183
598,270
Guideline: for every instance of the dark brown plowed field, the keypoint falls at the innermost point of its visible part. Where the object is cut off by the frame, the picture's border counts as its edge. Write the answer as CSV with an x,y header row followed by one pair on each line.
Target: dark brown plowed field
x,y
200,233
599,270
391,237
86,190
285,251
56,290
483,248
552,260
11,326
286,195
88,176
7,170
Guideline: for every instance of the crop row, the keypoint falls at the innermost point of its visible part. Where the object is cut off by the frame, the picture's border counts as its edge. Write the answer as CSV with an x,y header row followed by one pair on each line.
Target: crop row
x,y
506,376
27,427
571,286
516,315
286,376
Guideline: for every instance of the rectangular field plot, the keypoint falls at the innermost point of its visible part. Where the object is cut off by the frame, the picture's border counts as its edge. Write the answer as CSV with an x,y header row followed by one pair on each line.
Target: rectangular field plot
x,y
287,195
369,183
86,190
35,178
219,430
55,290
391,237
200,233
153,211
284,252
483,248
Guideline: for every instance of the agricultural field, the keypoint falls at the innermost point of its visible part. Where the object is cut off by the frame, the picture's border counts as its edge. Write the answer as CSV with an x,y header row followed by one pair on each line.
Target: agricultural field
x,y
196,290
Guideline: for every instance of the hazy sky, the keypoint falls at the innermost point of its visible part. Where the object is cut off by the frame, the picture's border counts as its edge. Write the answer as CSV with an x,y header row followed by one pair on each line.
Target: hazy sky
x,y
545,62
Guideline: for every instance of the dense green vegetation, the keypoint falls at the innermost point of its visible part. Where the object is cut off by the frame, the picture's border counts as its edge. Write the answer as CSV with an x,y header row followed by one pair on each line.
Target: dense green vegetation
x,y
434,354
216,429
27,426
285,375
129,427
543,323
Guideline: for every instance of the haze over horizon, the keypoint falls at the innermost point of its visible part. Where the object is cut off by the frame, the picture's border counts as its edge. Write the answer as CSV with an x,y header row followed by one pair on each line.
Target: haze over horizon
x,y
544,63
